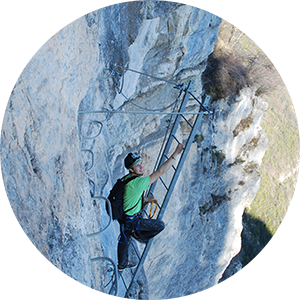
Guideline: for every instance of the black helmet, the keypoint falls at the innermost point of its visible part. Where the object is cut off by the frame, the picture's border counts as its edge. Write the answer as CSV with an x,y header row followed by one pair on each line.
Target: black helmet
x,y
131,160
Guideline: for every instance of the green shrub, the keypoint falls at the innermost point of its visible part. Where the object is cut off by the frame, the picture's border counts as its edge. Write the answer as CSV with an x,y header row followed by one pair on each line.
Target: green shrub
x,y
224,75
227,72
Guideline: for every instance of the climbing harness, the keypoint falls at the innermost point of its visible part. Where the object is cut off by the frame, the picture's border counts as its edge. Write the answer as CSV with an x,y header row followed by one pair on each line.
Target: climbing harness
x,y
122,233
129,219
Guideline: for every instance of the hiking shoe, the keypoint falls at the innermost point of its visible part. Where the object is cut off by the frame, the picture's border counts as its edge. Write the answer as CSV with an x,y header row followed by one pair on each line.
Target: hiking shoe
x,y
130,265
137,237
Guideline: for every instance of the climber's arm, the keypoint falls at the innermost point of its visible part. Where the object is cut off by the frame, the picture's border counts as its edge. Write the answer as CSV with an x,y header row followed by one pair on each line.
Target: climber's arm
x,y
166,165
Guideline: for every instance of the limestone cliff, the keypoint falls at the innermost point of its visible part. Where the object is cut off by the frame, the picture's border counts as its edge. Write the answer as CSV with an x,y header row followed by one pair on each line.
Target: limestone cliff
x,y
280,163
49,161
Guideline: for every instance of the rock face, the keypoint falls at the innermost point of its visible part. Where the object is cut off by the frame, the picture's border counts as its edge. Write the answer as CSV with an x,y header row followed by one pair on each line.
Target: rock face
x,y
51,163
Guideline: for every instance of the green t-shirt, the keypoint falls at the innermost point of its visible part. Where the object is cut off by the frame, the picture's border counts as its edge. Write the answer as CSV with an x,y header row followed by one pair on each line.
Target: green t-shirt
x,y
133,194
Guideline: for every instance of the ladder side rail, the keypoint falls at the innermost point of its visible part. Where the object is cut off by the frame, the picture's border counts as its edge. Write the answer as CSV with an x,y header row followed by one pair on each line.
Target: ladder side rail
x,y
184,154
176,123
180,166
123,280
174,129
139,266
203,105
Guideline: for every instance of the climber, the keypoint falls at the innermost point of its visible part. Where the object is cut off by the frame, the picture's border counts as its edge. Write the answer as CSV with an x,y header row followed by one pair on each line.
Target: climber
x,y
133,224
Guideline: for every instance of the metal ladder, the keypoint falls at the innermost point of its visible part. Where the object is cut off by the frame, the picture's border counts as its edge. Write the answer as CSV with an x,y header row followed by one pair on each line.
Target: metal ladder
x,y
170,187
180,116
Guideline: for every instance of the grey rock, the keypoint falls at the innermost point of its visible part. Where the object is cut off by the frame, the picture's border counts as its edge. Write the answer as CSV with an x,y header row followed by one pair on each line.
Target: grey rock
x,y
48,176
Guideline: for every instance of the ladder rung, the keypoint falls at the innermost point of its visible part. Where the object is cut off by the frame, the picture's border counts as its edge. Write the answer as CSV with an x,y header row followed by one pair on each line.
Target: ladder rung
x,y
195,98
163,184
146,214
167,157
136,252
175,138
121,275
187,120
207,98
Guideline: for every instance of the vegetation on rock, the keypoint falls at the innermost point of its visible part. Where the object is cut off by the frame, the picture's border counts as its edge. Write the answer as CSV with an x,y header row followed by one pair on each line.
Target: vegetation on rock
x,y
237,63
237,58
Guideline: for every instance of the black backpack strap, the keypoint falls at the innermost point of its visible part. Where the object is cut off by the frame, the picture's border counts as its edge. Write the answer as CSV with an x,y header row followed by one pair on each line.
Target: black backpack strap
x,y
128,179
127,210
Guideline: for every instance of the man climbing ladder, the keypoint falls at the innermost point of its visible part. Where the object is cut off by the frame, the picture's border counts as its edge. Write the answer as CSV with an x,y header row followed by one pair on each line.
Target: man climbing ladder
x,y
133,224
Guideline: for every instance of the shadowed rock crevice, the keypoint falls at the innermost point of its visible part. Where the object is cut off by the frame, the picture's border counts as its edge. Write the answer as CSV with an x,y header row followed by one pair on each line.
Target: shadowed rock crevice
x,y
213,205
255,236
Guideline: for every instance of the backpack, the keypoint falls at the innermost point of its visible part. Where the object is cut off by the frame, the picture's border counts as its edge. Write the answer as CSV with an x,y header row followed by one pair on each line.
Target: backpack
x,y
116,198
